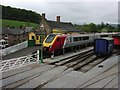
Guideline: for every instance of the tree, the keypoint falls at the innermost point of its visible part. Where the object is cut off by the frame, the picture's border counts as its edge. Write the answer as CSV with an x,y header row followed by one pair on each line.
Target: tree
x,y
20,14
92,27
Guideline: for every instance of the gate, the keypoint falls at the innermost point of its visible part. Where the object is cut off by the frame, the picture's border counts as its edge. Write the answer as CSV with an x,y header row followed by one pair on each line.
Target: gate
x,y
19,62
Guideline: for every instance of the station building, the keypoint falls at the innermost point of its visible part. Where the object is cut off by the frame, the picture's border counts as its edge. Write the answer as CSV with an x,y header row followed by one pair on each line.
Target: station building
x,y
47,27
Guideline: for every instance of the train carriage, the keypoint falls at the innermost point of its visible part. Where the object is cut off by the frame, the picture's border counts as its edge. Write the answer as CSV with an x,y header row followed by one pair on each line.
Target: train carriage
x,y
103,46
55,42
116,40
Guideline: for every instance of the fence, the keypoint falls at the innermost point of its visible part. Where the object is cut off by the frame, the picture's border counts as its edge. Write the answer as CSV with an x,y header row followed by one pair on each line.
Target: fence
x,y
19,62
14,48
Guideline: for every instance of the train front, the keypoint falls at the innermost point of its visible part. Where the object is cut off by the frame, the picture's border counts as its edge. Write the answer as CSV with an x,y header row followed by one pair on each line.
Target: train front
x,y
48,42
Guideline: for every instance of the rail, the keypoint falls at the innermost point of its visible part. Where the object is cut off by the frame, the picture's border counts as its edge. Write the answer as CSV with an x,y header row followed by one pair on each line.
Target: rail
x,y
19,62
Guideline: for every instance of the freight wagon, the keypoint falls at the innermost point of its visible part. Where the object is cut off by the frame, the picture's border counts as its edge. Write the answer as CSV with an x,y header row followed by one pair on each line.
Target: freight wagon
x,y
103,46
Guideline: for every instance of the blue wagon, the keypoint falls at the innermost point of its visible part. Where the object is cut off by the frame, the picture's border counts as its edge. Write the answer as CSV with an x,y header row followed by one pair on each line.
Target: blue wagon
x,y
103,46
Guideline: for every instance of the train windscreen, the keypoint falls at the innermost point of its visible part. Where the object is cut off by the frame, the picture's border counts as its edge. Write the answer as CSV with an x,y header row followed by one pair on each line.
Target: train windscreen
x,y
50,38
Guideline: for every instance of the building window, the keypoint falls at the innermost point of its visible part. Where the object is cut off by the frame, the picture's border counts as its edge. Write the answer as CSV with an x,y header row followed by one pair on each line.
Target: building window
x,y
6,36
33,37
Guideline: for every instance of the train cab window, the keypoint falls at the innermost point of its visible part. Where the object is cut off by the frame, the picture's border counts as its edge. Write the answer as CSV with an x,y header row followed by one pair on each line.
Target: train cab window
x,y
85,38
50,38
33,37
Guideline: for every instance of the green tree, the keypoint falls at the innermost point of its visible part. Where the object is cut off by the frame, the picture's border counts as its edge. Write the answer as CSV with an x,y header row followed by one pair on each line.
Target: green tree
x,y
20,14
92,27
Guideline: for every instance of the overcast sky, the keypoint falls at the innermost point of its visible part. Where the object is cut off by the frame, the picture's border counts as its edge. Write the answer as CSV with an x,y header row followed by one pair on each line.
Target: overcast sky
x,y
75,11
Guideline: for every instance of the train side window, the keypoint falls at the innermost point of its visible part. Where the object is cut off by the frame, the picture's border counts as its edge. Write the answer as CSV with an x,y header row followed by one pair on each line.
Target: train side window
x,y
76,39
79,38
85,38
103,35
70,39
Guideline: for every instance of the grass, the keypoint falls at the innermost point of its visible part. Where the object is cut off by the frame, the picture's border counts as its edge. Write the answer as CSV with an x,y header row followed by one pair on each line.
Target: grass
x,y
16,24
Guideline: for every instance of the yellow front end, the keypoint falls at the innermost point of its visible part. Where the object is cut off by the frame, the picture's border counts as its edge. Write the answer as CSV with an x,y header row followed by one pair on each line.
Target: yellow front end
x,y
49,44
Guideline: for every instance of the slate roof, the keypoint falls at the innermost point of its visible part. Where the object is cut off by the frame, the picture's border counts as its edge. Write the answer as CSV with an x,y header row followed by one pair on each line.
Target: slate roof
x,y
37,32
14,31
62,25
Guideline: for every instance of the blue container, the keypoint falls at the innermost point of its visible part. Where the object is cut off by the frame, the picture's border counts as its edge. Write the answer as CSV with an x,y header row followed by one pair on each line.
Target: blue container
x,y
103,46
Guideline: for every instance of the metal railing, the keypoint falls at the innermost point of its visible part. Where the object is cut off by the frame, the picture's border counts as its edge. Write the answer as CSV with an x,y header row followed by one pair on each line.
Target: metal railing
x,y
19,62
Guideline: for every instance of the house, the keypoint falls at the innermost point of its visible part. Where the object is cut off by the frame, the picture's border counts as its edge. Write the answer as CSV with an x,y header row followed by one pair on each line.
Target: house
x,y
14,36
47,26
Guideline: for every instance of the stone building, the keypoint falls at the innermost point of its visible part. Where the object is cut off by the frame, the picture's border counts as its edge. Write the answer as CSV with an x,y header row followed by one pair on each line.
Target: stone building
x,y
47,27
14,36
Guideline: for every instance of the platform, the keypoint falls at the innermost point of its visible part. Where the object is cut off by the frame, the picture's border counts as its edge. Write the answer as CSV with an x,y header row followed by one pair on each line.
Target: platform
x,y
49,76
65,56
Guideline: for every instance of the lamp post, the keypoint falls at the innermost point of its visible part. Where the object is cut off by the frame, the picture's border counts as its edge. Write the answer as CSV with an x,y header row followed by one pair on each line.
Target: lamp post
x,y
41,54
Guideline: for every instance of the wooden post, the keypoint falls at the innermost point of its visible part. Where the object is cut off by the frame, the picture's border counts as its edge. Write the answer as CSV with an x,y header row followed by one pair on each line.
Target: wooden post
x,y
41,54
38,55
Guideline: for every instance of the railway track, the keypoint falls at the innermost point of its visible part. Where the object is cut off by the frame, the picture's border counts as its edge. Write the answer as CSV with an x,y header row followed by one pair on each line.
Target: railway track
x,y
71,58
83,62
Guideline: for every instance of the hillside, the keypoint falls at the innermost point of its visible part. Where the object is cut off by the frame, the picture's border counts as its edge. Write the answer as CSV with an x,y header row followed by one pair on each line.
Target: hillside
x,y
18,14
16,24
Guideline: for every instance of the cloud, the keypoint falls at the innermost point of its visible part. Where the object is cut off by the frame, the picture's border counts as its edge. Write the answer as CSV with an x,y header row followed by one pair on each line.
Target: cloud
x,y
84,12
75,11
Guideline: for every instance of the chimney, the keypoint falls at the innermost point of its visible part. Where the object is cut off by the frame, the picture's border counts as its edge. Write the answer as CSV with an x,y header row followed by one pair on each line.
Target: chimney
x,y
58,18
43,16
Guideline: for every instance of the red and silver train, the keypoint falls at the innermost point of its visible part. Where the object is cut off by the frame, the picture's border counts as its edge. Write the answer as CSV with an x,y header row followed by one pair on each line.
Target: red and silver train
x,y
55,42
116,40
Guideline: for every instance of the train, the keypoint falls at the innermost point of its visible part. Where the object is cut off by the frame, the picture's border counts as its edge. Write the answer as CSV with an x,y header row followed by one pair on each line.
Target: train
x,y
55,42
103,46
116,38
